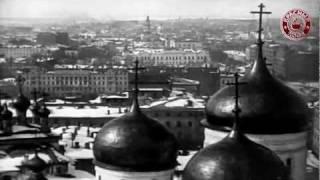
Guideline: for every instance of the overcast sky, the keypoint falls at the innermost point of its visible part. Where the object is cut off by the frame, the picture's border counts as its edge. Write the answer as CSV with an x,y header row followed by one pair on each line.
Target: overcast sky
x,y
156,9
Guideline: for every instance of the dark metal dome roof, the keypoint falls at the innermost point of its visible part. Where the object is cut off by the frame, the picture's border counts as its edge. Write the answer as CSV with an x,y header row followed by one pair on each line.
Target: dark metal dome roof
x,y
268,106
35,164
235,158
135,142
44,111
21,103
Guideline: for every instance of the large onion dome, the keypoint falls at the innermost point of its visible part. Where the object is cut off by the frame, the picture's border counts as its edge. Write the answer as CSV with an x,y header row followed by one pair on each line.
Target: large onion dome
x,y
135,142
268,105
235,158
21,103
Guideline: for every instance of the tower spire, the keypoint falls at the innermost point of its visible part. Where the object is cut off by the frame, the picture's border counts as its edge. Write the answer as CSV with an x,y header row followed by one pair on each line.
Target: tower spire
x,y
135,103
260,63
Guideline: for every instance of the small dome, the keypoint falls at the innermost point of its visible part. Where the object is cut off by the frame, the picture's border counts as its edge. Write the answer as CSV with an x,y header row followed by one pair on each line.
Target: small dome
x,y
44,111
35,164
235,158
21,103
5,113
35,108
268,106
134,142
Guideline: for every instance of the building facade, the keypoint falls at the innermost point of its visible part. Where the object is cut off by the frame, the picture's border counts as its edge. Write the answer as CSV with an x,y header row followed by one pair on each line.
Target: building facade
x,y
181,116
195,45
21,51
70,82
174,58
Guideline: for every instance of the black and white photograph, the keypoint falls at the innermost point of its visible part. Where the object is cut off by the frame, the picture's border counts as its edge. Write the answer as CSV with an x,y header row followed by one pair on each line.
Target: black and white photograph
x,y
159,90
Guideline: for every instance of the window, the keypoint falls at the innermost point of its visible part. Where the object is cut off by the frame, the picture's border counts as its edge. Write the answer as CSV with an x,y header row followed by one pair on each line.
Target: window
x,y
190,124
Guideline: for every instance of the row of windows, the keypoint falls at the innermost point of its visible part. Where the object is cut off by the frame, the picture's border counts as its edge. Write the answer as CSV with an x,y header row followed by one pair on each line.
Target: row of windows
x,y
61,78
173,57
49,89
77,83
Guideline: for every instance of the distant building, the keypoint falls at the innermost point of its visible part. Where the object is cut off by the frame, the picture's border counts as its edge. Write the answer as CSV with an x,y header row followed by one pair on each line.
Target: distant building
x,y
188,44
294,65
46,38
174,58
182,117
73,82
160,77
62,38
21,51
185,85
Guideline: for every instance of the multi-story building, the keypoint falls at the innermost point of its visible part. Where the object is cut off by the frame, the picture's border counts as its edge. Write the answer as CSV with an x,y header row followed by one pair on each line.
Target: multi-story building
x,y
195,45
291,65
46,38
21,51
62,38
69,82
174,58
181,116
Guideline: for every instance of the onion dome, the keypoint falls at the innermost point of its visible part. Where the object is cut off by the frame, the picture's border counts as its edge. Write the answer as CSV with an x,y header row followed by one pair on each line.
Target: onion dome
x,y
44,112
5,113
35,164
135,142
268,105
235,158
21,103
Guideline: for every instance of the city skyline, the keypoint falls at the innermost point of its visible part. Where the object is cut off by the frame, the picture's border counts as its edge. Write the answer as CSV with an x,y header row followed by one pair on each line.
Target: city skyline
x,y
165,9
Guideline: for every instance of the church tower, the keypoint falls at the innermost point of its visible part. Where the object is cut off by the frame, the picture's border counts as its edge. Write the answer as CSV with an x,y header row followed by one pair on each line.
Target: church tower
x,y
148,25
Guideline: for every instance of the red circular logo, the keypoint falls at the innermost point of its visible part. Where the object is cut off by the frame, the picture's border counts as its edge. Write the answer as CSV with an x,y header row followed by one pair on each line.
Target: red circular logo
x,y
295,24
